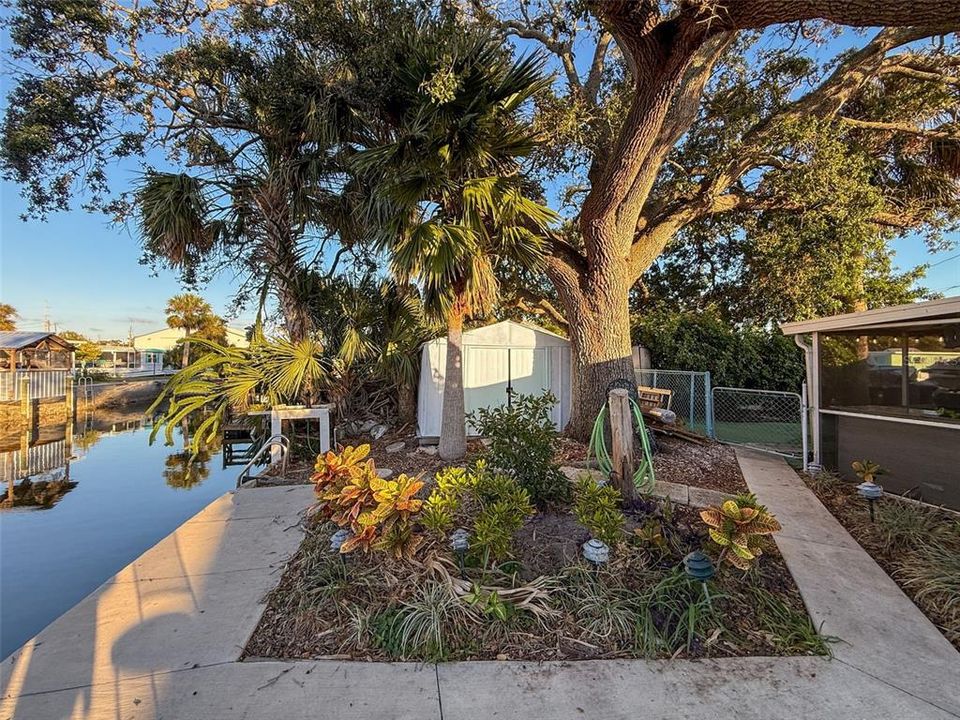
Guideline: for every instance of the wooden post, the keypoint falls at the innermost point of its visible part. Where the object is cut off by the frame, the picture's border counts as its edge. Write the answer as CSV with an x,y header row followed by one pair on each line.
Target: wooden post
x,y
71,400
621,434
71,396
25,405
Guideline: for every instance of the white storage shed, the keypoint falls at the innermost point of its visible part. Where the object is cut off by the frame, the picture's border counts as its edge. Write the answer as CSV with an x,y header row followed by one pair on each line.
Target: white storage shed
x,y
524,357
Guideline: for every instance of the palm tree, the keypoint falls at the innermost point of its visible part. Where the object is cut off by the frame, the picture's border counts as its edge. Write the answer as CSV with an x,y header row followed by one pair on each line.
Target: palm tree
x,y
254,206
227,380
446,188
372,331
188,312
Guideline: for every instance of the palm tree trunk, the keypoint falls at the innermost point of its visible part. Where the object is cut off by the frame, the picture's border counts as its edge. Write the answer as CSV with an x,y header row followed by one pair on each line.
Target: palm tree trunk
x,y
407,403
185,359
453,431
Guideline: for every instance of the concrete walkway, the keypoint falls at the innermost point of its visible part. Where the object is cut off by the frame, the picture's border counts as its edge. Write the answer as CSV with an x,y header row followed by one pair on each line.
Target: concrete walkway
x,y
847,594
162,638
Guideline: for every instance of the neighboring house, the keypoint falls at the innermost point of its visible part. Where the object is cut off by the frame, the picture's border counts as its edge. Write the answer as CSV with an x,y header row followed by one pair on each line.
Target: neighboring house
x,y
899,407
167,338
125,360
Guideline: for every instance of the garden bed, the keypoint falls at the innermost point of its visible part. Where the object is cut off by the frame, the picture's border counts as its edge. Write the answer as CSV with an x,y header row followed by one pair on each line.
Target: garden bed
x,y
710,465
487,559
918,546
555,605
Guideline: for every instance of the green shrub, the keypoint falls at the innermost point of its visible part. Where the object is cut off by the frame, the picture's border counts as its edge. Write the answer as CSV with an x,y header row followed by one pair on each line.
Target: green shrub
x,y
749,356
597,508
522,445
491,504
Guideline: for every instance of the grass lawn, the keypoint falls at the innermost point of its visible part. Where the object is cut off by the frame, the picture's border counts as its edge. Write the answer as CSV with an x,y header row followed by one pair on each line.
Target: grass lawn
x,y
780,436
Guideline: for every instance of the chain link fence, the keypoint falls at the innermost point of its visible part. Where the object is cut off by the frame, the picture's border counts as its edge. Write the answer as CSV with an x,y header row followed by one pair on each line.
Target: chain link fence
x,y
690,396
768,420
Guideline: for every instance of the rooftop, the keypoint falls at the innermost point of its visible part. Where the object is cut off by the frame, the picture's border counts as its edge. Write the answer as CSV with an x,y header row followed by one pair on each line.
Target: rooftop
x,y
922,314
19,339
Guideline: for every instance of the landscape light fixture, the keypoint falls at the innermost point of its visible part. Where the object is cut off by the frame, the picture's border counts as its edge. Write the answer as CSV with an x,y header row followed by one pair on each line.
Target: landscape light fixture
x,y
459,543
872,492
338,539
596,552
699,566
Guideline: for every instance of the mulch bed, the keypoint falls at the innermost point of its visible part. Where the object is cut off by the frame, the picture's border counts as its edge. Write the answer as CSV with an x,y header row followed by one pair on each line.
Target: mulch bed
x,y
897,542
329,607
708,465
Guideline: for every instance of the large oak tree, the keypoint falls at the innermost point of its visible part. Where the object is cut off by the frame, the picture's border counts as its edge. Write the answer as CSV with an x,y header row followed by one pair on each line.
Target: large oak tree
x,y
658,157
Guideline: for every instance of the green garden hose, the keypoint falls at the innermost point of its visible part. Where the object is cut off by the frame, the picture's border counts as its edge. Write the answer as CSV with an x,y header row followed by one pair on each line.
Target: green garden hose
x,y
643,478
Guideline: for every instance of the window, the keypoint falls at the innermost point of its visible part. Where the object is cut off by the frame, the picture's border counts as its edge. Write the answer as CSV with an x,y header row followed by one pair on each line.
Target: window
x,y
914,374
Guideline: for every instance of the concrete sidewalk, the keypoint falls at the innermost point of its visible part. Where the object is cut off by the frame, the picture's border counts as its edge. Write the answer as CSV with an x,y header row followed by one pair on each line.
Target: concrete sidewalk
x,y
884,635
162,638
190,601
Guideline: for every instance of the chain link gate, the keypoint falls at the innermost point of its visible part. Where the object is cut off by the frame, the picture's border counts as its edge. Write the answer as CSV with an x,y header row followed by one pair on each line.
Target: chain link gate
x,y
768,420
690,396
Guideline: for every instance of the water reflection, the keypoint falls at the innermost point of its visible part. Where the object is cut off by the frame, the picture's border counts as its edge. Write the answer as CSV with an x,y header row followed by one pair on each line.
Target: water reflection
x,y
80,501
35,465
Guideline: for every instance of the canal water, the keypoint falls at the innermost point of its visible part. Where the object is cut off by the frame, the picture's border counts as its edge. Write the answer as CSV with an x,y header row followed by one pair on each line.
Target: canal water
x,y
81,520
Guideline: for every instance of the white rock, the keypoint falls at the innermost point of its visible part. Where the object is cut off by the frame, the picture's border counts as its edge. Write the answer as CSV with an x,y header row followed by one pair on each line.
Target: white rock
x,y
385,473
427,449
367,425
396,447
378,431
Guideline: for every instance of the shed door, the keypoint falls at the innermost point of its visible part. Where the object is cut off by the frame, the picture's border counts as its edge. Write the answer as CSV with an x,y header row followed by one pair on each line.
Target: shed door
x,y
487,370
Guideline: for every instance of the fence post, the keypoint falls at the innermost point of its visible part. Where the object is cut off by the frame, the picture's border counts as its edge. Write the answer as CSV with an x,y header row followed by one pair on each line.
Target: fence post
x,y
25,405
708,402
803,423
621,433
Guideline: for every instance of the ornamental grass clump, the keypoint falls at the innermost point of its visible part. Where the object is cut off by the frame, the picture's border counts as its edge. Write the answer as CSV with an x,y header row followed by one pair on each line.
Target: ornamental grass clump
x,y
737,527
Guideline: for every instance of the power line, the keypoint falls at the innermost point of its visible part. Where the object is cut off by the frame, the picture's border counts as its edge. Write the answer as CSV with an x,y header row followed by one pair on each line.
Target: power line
x,y
941,262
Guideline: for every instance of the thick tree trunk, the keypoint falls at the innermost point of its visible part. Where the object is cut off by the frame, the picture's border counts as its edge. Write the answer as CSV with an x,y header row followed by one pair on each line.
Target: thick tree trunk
x,y
185,357
599,339
453,431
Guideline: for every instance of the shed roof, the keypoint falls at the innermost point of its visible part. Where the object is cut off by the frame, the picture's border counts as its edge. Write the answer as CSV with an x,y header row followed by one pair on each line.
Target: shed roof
x,y
20,339
507,333
931,312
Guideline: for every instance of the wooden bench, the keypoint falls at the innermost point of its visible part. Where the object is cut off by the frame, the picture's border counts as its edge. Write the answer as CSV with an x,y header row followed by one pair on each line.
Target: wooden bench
x,y
652,398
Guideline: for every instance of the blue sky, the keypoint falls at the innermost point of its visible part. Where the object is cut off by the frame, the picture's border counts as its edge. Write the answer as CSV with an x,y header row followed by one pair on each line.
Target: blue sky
x,y
82,273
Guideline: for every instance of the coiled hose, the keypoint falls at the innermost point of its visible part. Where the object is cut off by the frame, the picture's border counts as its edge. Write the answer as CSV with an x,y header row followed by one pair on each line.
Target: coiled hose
x,y
643,478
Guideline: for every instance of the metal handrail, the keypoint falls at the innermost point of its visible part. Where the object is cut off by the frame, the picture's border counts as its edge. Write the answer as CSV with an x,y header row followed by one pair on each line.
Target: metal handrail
x,y
280,440
85,386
